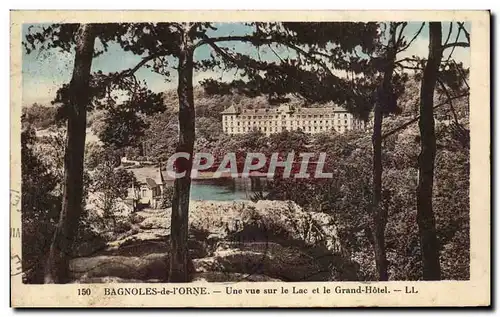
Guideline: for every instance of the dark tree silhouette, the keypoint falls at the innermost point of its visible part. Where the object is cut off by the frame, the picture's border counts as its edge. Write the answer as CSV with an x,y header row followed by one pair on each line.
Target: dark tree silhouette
x,y
425,215
84,93
385,103
57,269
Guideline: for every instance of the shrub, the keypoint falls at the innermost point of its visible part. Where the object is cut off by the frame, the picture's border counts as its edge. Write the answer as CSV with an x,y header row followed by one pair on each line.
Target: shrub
x,y
135,218
122,226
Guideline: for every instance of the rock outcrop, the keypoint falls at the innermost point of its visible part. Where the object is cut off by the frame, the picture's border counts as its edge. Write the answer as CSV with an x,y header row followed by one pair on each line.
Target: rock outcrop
x,y
229,241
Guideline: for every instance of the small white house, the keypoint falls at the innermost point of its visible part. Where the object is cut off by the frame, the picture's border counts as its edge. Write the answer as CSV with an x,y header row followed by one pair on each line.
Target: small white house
x,y
149,191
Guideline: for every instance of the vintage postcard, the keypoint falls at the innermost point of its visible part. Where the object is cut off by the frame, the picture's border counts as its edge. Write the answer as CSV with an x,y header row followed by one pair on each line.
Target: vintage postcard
x,y
250,158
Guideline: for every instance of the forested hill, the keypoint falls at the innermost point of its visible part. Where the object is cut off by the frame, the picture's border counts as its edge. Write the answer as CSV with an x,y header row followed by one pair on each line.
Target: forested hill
x,y
157,137
210,106
346,197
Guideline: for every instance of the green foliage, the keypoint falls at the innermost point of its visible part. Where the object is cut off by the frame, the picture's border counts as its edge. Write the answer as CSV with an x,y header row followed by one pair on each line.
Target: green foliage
x,y
42,173
347,196
208,128
40,205
134,118
123,119
96,155
160,139
315,47
289,141
38,116
110,184
451,205
122,128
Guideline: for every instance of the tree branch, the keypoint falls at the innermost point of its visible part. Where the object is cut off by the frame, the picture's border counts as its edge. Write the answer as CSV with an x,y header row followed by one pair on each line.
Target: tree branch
x,y
398,64
400,35
460,44
227,56
446,92
277,55
413,39
131,71
403,126
462,75
462,27
408,59
453,49
260,41
449,34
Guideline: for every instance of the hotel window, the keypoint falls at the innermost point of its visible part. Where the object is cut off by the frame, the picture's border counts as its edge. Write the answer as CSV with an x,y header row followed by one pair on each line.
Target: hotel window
x,y
345,115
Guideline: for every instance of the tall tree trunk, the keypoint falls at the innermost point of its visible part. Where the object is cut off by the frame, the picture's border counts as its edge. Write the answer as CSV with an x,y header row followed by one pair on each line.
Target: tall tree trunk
x,y
180,202
379,214
379,219
425,215
57,267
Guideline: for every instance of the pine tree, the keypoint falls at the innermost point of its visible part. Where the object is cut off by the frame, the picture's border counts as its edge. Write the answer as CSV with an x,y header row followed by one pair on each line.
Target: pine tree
x,y
85,92
317,49
57,269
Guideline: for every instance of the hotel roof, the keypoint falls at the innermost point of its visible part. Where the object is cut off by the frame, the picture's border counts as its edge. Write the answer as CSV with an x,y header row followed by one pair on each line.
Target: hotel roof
x,y
284,109
230,110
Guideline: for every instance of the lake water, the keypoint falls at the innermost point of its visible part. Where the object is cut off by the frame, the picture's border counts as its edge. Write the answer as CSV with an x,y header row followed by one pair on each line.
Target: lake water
x,y
222,189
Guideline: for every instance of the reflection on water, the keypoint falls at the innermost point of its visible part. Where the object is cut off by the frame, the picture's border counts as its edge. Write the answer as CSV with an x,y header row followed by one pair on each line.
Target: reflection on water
x,y
226,188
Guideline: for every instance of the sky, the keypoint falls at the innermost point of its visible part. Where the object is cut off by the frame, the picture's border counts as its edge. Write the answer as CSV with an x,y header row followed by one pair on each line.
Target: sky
x,y
45,71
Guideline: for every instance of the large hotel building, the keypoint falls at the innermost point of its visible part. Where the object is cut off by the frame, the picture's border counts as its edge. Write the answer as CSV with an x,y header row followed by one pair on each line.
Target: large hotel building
x,y
275,120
